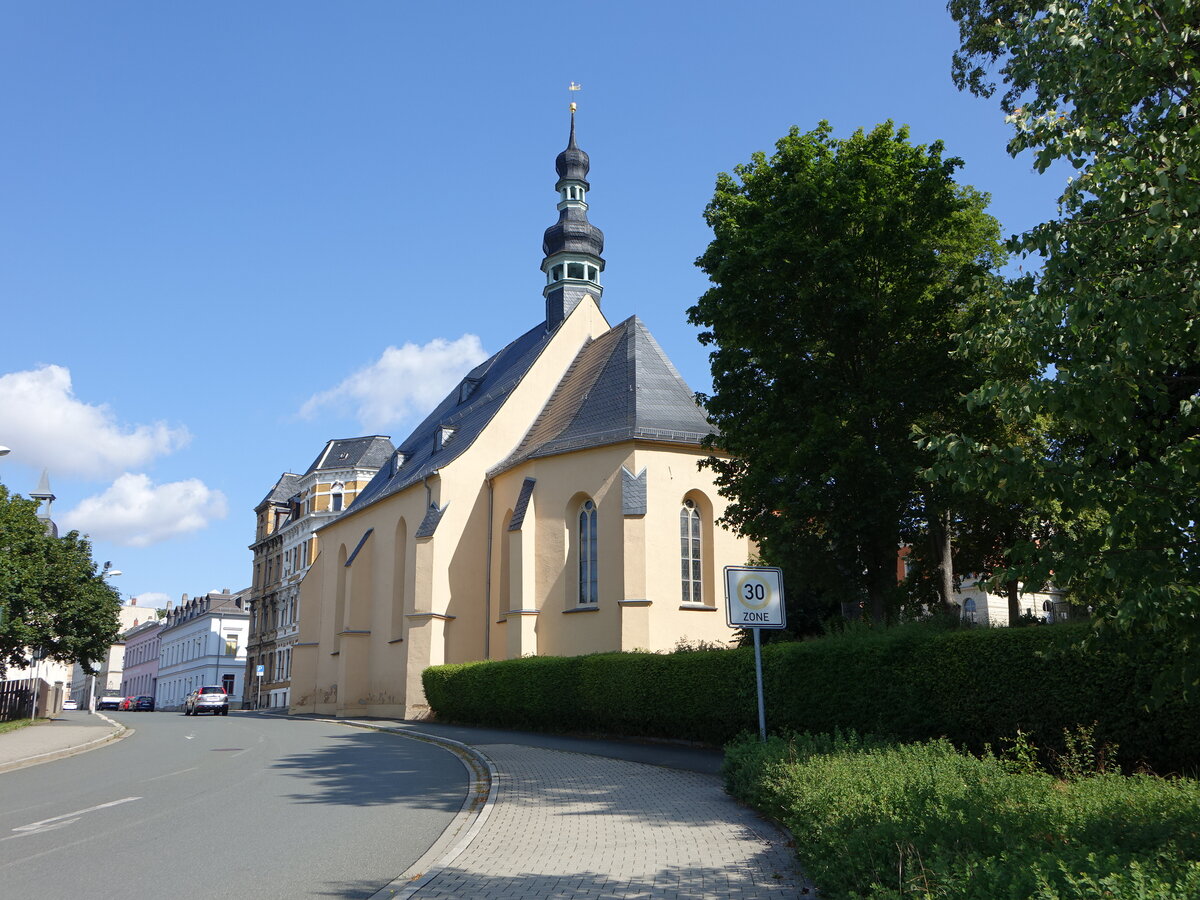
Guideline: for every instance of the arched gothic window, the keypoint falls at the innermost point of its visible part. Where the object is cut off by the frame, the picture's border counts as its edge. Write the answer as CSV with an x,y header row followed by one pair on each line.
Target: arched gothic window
x,y
589,593
969,612
689,552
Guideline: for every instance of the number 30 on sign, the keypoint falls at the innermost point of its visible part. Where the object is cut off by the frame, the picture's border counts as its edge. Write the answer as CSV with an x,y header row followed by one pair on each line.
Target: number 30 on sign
x,y
754,597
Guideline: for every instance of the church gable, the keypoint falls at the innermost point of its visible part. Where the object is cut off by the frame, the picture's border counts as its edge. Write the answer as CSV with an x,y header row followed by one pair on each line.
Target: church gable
x,y
620,387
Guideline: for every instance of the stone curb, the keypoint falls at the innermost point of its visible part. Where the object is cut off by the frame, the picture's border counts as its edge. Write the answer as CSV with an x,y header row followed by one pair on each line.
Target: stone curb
x,y
119,732
481,797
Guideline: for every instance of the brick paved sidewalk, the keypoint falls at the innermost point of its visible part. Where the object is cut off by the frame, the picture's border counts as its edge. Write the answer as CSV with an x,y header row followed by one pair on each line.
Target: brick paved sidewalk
x,y
571,825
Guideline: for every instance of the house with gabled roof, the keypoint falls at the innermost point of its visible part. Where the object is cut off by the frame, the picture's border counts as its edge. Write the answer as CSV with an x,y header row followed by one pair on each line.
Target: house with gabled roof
x,y
551,504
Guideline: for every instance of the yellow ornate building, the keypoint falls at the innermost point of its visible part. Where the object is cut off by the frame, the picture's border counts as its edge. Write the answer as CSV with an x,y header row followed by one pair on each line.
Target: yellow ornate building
x,y
552,504
285,544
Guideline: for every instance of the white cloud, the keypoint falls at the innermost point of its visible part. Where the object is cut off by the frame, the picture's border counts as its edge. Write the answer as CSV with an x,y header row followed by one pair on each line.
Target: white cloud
x,y
46,425
134,512
403,381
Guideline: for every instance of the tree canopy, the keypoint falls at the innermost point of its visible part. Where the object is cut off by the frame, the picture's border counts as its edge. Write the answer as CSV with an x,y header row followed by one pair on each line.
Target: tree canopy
x,y
841,270
51,596
1111,323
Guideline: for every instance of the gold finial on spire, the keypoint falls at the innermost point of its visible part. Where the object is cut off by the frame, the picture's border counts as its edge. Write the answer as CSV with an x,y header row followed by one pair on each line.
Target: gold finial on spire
x,y
574,86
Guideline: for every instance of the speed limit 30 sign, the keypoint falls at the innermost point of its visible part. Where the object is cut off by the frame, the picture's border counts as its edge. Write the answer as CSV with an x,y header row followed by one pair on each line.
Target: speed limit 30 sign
x,y
754,597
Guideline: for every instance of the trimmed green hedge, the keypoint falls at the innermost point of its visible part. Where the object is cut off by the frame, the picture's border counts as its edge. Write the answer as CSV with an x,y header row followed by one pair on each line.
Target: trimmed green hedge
x,y
971,686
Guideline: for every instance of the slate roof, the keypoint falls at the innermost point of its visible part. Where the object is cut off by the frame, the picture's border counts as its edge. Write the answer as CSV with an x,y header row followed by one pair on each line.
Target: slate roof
x,y
467,412
620,387
369,452
284,489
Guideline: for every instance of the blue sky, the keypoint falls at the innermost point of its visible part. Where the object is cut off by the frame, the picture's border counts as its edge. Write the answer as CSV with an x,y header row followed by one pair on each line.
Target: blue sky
x,y
232,231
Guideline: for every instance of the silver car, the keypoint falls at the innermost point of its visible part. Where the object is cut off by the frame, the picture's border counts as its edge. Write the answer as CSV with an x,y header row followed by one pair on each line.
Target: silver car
x,y
211,698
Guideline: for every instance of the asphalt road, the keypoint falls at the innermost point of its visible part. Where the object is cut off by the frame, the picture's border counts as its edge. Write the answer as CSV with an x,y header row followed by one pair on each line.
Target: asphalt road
x,y
240,806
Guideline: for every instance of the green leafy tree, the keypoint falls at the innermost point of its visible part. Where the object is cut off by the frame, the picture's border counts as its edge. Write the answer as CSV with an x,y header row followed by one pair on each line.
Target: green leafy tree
x,y
842,270
51,595
1112,321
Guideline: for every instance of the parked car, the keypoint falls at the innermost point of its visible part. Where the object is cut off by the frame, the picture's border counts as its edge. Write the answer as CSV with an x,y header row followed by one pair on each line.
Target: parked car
x,y
144,704
70,704
210,698
109,702
127,703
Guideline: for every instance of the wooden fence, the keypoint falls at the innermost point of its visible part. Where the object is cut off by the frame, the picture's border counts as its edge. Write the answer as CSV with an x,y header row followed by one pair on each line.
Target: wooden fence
x,y
16,697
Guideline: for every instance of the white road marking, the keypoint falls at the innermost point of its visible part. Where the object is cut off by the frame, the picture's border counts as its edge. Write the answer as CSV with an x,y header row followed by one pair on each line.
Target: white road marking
x,y
45,824
172,774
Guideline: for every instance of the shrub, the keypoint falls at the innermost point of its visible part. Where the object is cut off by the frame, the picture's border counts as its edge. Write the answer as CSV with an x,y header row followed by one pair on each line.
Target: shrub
x,y
974,687
886,821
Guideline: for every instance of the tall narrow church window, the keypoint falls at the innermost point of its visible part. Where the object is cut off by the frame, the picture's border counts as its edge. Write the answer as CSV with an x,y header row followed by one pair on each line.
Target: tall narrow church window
x,y
689,552
588,580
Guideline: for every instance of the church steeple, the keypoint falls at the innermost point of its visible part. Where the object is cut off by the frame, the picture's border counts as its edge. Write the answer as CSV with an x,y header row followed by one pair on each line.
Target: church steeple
x,y
572,245
43,493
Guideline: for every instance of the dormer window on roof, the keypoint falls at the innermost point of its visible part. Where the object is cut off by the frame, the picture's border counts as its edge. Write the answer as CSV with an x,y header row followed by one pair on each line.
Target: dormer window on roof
x,y
398,462
442,437
467,388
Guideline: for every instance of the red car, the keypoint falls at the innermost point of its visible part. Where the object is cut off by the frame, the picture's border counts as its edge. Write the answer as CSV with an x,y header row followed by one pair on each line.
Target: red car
x,y
127,703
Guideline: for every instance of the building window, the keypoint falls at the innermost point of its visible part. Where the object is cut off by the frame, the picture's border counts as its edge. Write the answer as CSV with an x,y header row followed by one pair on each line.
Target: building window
x,y
689,552
588,558
575,270
969,612
227,683
231,645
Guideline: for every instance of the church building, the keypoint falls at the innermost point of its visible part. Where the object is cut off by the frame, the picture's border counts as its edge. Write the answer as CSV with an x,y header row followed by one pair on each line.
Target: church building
x,y
550,505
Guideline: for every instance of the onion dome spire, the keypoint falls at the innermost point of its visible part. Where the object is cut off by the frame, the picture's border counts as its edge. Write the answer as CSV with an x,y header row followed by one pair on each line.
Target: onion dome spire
x,y
572,245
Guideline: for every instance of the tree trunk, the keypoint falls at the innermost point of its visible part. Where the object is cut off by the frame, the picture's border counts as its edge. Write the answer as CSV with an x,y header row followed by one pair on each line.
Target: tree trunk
x,y
1014,602
943,552
881,576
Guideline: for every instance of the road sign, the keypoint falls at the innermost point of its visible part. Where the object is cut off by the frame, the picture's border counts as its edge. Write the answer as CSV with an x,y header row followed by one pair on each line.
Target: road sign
x,y
754,597
260,670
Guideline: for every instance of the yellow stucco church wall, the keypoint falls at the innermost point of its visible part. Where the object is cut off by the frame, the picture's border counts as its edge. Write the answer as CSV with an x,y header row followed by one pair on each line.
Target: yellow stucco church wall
x,y
474,590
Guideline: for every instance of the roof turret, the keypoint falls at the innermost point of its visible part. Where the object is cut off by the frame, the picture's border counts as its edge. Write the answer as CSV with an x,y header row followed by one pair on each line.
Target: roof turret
x,y
572,245
573,163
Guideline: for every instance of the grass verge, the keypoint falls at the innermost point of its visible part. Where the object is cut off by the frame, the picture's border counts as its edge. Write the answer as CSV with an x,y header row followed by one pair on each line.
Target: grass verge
x,y
15,724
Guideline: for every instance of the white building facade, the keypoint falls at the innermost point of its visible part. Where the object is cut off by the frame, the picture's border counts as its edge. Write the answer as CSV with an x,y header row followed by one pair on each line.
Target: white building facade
x,y
203,642
110,670
982,607
140,677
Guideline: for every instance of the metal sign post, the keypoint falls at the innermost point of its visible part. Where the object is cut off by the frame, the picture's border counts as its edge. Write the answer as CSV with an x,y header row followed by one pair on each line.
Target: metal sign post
x,y
754,600
258,671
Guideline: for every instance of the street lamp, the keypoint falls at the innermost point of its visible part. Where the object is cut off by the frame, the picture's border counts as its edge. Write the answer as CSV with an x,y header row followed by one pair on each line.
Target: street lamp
x,y
106,572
